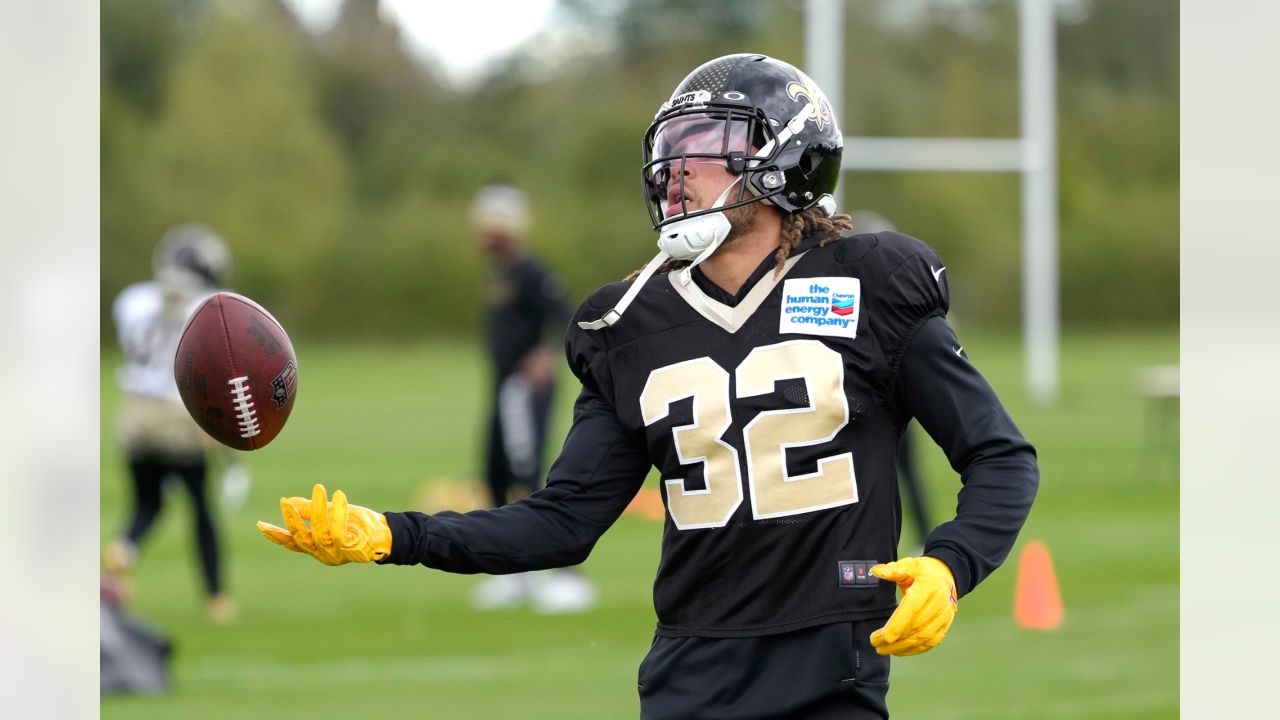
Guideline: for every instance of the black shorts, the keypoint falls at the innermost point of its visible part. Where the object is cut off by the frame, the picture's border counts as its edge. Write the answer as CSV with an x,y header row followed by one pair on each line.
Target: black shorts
x,y
828,671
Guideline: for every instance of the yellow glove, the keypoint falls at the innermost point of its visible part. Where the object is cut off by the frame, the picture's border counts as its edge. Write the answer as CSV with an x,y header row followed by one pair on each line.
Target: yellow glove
x,y
928,606
338,533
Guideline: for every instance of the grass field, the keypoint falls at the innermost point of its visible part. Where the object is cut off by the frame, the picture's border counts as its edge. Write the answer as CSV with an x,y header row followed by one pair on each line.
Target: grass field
x,y
361,641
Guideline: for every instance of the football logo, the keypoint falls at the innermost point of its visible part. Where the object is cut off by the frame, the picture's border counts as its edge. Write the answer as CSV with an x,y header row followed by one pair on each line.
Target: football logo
x,y
857,574
808,90
284,385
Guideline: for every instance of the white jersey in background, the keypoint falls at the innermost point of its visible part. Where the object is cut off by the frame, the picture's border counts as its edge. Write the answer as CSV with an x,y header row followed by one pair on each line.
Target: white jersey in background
x,y
148,325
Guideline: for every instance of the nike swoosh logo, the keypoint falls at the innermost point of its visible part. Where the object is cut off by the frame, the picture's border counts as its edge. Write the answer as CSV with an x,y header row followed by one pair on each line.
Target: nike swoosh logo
x,y
958,350
937,274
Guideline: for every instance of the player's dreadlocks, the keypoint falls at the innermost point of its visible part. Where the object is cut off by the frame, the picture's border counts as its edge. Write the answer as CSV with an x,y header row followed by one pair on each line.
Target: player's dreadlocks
x,y
795,227
800,225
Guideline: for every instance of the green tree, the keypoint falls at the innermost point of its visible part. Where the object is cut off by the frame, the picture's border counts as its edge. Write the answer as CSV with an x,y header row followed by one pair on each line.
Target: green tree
x,y
342,170
239,146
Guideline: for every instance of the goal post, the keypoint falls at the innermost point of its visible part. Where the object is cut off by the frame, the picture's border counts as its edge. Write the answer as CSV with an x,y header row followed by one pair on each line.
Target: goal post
x,y
1033,155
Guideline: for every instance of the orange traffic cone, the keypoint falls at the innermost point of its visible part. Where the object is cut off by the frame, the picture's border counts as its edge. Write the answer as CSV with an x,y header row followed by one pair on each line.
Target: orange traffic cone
x,y
1037,605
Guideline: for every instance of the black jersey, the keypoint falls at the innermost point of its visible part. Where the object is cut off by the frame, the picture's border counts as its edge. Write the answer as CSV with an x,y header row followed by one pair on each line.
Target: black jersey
x,y
775,428
524,300
773,417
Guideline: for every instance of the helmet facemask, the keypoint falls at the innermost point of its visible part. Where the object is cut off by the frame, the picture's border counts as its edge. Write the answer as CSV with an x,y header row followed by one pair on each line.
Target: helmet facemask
x,y
727,136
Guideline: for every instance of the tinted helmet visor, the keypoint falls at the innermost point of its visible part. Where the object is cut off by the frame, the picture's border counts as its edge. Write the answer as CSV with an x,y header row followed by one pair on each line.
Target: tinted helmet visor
x,y
726,138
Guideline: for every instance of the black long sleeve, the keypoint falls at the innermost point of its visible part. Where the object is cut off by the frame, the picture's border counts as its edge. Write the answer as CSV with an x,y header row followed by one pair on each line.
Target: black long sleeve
x,y
599,471
997,466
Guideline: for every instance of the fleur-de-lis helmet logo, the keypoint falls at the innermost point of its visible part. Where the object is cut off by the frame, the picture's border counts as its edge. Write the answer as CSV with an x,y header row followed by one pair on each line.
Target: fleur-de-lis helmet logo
x,y
809,90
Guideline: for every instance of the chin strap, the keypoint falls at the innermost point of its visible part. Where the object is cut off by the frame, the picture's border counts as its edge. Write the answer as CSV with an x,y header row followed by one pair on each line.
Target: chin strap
x,y
693,239
614,315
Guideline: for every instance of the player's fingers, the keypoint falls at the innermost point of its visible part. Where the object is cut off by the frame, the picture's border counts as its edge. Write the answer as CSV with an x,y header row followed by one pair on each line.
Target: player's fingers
x,y
293,523
278,535
320,530
904,649
927,639
302,505
887,648
888,571
893,572
339,509
879,643
927,630
902,619
934,632
877,637
893,629
897,645
930,623
920,608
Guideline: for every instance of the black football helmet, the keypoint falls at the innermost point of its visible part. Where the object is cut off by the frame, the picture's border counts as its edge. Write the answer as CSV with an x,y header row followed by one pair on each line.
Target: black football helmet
x,y
759,116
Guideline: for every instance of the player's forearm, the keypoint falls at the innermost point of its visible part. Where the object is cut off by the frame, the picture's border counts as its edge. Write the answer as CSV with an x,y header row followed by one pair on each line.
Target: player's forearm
x,y
990,512
524,535
554,527
997,465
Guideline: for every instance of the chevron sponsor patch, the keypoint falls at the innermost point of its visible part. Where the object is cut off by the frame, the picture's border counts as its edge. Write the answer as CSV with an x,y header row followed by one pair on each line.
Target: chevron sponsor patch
x,y
821,306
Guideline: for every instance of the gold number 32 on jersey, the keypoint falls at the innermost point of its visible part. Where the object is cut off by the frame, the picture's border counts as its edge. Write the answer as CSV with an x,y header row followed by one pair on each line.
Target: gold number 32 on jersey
x,y
774,492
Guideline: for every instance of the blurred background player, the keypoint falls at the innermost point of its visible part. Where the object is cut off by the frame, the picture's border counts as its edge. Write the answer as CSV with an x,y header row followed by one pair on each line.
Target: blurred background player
x,y
525,315
161,441
866,221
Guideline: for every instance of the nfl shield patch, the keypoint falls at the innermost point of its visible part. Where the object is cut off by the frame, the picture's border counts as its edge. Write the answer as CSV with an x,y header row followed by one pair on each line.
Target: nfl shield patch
x,y
284,385
857,574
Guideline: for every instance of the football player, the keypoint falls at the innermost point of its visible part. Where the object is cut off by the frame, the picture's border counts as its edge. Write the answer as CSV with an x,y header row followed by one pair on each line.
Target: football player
x,y
766,361
524,301
160,439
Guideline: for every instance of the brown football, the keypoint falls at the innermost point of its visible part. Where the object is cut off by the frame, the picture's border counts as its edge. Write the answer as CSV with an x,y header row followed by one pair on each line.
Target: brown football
x,y
236,371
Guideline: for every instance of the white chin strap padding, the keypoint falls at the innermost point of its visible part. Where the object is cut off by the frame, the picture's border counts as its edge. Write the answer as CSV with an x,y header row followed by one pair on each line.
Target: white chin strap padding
x,y
697,237
613,316
688,239
691,239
